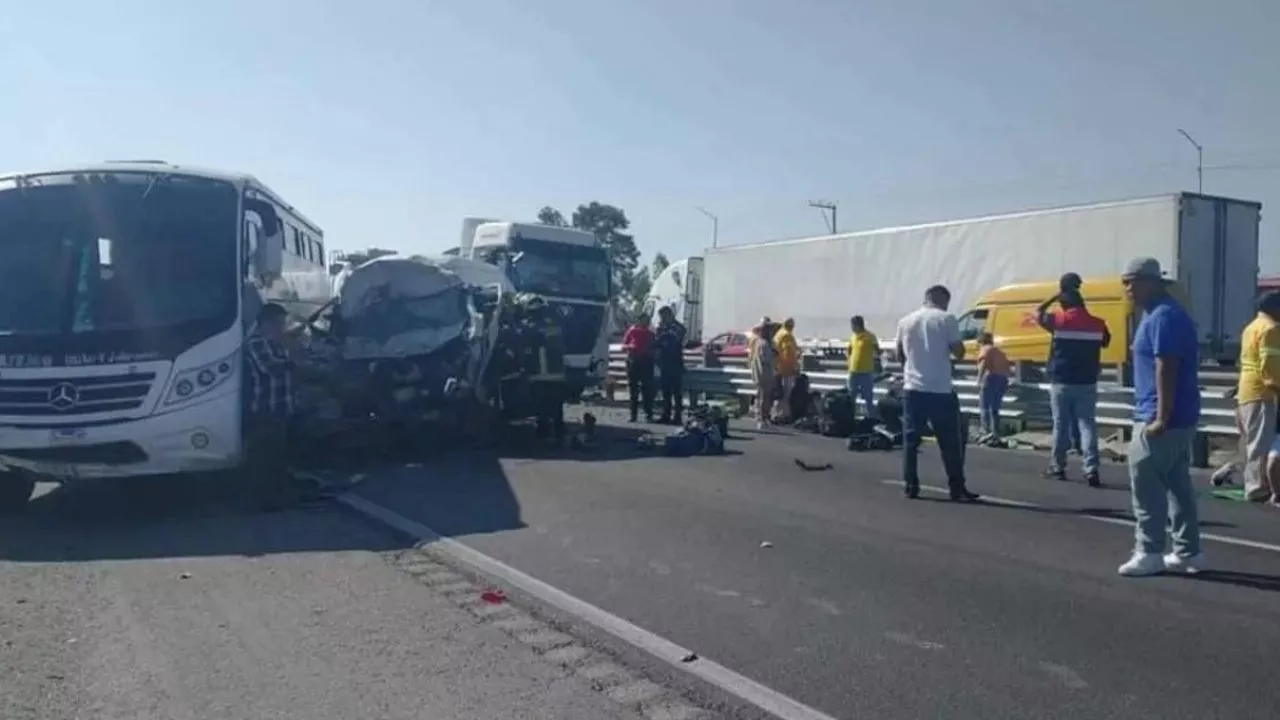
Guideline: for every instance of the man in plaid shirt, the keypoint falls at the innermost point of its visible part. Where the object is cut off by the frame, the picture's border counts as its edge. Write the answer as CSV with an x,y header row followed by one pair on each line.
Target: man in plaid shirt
x,y
269,374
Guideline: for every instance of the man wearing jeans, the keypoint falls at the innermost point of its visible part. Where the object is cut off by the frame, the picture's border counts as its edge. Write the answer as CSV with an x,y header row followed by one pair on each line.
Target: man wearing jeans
x,y
1166,410
1075,360
862,352
927,340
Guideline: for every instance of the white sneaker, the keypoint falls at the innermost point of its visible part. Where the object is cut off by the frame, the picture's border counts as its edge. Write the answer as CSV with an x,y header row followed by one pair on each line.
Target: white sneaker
x,y
1187,564
759,424
1142,565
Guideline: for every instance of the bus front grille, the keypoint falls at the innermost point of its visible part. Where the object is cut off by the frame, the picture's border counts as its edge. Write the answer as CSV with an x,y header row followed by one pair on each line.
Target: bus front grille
x,y
71,396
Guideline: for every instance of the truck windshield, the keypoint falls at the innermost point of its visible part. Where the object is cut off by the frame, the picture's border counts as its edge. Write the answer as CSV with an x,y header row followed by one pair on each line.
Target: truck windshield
x,y
116,252
557,269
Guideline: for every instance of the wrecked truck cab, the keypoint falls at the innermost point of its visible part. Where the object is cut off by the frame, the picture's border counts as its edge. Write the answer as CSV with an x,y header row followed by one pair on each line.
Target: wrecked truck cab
x,y
413,335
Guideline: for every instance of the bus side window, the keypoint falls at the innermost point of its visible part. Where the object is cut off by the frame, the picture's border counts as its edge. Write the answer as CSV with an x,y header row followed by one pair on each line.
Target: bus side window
x,y
252,236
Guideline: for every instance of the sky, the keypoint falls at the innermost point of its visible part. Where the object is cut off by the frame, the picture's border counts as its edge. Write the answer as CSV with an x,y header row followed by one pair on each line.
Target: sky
x,y
388,121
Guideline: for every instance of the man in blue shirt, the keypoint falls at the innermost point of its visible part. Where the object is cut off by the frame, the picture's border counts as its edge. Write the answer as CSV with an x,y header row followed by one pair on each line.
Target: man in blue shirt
x,y
1166,410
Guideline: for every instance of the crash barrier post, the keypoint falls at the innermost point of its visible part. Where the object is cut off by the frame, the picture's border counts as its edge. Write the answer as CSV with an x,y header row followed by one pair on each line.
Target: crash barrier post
x,y
1026,404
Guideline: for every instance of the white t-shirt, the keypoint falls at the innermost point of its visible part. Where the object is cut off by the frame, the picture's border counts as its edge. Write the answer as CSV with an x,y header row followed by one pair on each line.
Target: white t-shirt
x,y
926,336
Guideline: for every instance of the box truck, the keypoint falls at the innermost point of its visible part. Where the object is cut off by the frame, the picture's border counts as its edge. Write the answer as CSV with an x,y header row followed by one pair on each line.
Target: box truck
x,y
1208,244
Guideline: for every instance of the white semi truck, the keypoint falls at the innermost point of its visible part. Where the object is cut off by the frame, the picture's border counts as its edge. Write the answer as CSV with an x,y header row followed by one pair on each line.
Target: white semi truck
x,y
570,270
1209,244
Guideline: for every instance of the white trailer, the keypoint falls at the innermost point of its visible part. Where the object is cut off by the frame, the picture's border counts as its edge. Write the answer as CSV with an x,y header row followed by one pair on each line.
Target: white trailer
x,y
1209,244
679,287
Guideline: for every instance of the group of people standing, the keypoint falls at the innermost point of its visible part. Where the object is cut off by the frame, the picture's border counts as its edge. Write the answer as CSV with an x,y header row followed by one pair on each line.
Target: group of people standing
x,y
1165,361
773,356
661,349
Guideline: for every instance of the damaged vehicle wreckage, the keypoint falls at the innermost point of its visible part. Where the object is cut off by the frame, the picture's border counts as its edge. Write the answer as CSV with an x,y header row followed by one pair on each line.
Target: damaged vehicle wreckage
x,y
413,349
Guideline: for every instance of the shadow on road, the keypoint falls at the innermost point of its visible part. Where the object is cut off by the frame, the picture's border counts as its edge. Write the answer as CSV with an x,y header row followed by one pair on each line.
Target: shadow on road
x,y
157,517
1256,581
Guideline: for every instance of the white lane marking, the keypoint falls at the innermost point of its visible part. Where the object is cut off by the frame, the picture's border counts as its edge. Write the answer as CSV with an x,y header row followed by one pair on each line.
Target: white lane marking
x,y
744,688
1065,675
660,568
825,606
993,500
720,592
906,639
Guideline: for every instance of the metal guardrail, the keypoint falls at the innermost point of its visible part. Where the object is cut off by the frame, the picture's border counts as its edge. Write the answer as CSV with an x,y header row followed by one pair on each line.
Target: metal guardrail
x,y
1026,403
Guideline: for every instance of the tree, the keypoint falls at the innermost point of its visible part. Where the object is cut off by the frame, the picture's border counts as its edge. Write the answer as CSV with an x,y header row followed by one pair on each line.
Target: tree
x,y
551,216
660,263
607,223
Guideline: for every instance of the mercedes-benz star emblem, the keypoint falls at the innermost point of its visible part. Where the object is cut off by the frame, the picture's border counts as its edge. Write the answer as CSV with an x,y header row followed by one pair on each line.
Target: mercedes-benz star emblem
x,y
63,396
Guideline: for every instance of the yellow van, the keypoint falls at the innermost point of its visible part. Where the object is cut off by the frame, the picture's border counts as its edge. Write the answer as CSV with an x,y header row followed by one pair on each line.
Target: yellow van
x,y
1009,314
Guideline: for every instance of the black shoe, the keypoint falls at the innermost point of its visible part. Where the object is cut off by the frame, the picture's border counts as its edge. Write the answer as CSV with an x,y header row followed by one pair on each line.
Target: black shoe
x,y
912,492
634,419
964,496
1055,474
1093,480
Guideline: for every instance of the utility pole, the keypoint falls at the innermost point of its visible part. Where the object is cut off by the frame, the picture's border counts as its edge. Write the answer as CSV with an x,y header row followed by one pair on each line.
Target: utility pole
x,y
1199,160
715,225
824,207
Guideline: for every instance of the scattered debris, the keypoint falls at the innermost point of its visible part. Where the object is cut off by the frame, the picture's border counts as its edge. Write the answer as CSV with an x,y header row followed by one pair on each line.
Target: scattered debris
x,y
493,597
766,544
812,468
690,657
185,576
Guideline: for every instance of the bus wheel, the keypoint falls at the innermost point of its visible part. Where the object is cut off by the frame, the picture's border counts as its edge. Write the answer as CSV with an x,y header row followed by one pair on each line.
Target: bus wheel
x,y
15,491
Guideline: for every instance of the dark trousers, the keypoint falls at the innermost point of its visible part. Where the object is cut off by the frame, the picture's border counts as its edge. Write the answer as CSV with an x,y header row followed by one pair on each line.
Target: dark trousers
x,y
640,385
267,459
672,382
941,412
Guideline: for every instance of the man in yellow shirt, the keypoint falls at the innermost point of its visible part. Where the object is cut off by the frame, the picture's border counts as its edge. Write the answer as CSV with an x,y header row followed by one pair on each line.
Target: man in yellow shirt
x,y
788,362
1256,396
862,352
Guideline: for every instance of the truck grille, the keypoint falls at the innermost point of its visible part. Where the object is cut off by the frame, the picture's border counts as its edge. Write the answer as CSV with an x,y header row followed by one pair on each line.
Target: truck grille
x,y
581,328
70,396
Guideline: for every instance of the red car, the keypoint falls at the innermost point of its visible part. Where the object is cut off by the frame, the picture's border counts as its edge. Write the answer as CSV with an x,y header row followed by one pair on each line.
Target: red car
x,y
731,344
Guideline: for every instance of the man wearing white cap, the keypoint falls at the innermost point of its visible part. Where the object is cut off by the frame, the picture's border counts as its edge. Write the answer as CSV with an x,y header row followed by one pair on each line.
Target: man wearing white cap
x,y
1166,410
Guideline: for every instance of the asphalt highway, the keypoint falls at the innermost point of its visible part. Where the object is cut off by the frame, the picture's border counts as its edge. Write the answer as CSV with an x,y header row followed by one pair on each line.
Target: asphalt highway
x,y
172,600
830,587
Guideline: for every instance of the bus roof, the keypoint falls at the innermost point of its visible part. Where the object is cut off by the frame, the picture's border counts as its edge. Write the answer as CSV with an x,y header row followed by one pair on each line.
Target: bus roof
x,y
244,181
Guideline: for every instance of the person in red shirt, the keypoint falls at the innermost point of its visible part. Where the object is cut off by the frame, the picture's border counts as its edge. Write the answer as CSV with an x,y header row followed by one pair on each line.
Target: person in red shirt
x,y
637,344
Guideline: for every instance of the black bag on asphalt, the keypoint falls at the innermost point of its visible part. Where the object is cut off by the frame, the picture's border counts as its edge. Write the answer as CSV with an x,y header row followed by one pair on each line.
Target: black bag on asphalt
x,y
836,418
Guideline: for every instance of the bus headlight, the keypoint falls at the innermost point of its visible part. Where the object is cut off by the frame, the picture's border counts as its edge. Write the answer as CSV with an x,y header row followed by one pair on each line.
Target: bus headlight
x,y
197,381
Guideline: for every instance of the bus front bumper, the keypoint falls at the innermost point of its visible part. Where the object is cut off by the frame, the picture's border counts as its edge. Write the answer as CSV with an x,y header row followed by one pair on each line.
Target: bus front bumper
x,y
202,437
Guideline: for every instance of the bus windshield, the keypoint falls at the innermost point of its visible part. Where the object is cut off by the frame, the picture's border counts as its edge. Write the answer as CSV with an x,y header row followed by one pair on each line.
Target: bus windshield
x,y
117,252
557,269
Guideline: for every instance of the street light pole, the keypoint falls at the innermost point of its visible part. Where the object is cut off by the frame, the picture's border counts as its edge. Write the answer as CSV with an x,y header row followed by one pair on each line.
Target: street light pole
x,y
1199,160
715,226
824,206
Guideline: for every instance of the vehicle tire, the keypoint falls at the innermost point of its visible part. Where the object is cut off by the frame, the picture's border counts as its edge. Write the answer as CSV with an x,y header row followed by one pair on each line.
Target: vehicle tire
x,y
15,491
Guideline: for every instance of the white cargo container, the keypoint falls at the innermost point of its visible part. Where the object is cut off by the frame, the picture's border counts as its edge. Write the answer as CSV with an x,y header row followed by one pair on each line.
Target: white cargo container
x,y
1209,244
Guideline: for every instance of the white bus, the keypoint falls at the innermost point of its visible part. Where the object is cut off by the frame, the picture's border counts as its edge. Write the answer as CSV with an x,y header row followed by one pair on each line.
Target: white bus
x,y
126,291
568,268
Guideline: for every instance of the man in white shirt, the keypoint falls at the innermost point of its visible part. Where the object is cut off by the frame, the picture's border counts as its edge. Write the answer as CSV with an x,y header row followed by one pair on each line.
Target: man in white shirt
x,y
928,339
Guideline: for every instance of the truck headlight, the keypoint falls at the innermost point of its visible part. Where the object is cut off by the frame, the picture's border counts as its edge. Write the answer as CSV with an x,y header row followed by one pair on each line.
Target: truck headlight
x,y
197,381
